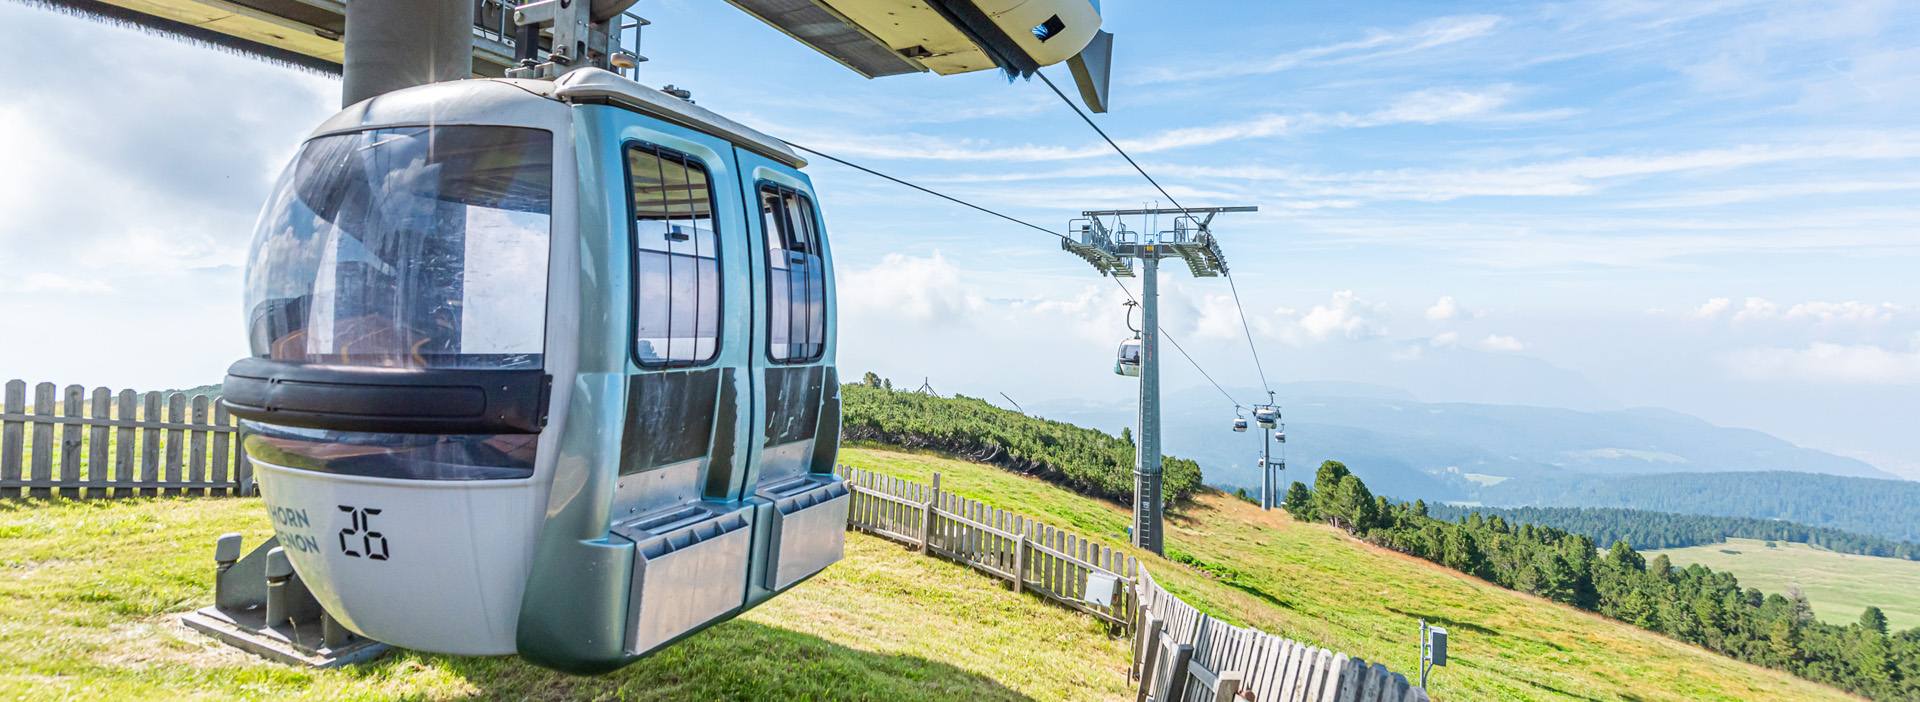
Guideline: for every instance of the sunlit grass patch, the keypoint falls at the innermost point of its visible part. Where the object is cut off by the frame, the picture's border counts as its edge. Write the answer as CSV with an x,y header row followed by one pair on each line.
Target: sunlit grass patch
x,y
91,592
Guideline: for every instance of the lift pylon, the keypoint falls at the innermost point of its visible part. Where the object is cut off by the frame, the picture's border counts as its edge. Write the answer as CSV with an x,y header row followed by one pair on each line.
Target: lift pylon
x,y
1101,238
1268,417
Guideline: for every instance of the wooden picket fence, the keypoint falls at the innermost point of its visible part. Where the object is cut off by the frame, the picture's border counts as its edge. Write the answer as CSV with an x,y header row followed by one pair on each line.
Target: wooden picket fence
x,y
74,443
1028,554
1183,655
1180,653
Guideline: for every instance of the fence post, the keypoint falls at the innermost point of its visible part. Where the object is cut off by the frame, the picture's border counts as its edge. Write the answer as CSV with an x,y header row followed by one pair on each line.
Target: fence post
x,y
1179,656
1020,563
1149,654
926,515
1229,687
12,436
70,442
42,441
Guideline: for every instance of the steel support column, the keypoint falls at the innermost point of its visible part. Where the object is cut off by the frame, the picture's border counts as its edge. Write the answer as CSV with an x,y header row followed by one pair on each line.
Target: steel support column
x,y
1266,469
1147,505
394,44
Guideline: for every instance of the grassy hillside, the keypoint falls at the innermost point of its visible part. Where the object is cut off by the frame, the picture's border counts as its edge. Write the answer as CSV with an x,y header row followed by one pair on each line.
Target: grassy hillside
x,y
90,594
1090,461
91,591
1839,585
1317,584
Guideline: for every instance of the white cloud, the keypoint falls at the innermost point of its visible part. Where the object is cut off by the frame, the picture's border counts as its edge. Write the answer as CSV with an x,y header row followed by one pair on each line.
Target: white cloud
x,y
1252,128
909,288
1444,309
1756,308
1852,311
1774,192
1831,363
1436,105
1568,177
1217,318
1377,44
1498,342
1713,308
1426,106
1760,309
1444,339
1344,316
57,283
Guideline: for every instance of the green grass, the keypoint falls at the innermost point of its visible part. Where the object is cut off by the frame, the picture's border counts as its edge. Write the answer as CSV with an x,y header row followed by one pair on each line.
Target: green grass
x,y
90,594
1316,584
1839,585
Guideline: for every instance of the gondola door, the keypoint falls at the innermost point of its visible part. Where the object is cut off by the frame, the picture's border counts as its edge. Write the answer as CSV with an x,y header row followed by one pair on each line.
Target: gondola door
x,y
796,389
687,411
687,394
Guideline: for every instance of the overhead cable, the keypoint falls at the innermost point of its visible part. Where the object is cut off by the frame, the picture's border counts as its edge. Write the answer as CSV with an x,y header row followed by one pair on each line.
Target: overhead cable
x,y
1084,117
1024,223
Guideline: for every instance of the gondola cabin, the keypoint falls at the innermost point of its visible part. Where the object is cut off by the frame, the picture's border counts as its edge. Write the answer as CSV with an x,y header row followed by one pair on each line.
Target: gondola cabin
x,y
1126,361
543,367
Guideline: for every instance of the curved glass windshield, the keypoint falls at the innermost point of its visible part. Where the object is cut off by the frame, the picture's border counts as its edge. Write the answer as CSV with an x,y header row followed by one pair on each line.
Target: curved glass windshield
x,y
412,247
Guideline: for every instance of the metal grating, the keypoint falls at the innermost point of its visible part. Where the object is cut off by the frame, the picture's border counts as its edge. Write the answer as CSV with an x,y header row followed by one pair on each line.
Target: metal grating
x,y
1102,259
829,33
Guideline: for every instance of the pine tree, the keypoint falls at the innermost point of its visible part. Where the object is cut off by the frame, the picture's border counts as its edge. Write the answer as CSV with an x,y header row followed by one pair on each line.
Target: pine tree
x,y
1329,475
1350,504
1299,502
1783,639
1874,620
1461,553
1326,483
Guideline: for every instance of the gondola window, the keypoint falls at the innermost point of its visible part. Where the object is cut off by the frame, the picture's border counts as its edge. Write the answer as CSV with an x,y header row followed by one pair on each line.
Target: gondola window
x,y
407,247
676,288
796,284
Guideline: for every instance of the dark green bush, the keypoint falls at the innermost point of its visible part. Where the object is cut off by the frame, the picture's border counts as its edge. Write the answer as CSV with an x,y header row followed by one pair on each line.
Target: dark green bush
x,y
1085,460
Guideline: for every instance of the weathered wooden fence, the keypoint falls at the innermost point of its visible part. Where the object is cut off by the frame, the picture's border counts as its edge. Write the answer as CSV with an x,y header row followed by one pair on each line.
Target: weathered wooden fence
x,y
1183,655
75,443
1029,555
1180,653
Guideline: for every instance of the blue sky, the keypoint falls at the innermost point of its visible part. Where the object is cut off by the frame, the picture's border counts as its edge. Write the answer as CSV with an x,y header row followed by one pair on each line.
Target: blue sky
x,y
1712,207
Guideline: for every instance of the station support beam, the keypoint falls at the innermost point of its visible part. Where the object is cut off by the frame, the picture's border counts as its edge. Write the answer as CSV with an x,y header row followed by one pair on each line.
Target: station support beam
x,y
394,44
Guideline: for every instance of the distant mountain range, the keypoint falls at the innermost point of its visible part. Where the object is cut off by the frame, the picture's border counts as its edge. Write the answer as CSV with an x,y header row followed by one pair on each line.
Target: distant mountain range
x,y
1885,508
1514,455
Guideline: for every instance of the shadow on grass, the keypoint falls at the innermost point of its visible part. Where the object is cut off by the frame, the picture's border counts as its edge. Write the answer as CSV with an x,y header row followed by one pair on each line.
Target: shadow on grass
x,y
1227,575
1449,624
737,660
